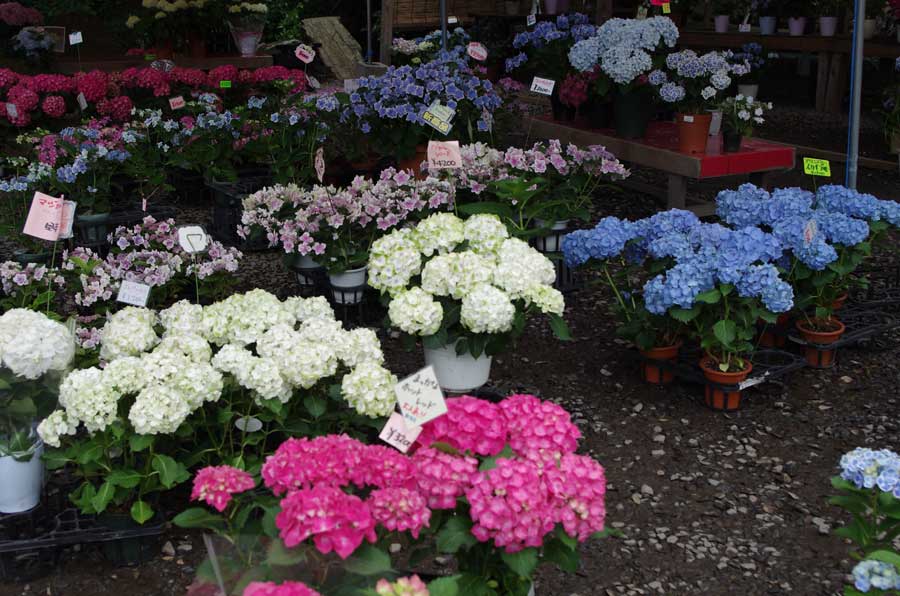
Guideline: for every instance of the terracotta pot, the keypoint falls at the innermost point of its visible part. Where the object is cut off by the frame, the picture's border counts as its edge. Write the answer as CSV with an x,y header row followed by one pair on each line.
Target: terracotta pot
x,y
655,374
693,132
413,163
818,354
840,301
775,336
716,397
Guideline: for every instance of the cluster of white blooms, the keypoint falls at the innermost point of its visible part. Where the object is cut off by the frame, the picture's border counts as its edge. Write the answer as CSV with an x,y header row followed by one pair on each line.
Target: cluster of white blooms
x,y
473,261
56,425
243,318
88,399
316,307
32,344
369,389
128,332
183,317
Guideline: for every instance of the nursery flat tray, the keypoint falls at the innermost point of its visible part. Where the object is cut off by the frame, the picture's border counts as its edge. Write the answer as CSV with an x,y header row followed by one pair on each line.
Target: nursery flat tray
x,y
70,527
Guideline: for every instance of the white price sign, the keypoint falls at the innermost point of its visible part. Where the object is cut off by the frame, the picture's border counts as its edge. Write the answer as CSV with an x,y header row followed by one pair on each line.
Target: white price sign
x,y
542,86
82,101
193,239
530,20
67,218
420,397
477,51
444,155
75,38
398,434
12,111
133,293
304,53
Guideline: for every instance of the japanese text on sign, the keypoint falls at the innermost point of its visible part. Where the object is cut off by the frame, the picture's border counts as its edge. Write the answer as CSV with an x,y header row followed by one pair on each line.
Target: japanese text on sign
x,y
75,38
420,397
444,155
176,103
398,434
816,167
44,217
542,86
304,53
477,51
133,293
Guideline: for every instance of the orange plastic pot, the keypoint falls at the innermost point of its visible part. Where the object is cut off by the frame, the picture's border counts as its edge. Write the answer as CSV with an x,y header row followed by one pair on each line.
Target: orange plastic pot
x,y
716,397
653,373
693,132
774,336
818,355
840,301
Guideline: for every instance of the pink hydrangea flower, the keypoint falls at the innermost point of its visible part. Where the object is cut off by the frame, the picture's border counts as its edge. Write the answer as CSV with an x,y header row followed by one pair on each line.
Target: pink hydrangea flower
x,y
539,429
118,108
214,485
273,589
385,467
92,84
400,510
578,489
442,477
24,97
335,460
470,424
17,15
54,106
52,83
335,520
511,506
405,586
8,78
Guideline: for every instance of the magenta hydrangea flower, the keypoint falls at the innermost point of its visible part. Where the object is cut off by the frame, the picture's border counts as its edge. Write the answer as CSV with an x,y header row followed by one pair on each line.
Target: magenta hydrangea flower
x,y
273,589
511,506
470,424
405,586
385,467
214,485
334,460
54,106
539,429
335,520
400,509
443,477
578,489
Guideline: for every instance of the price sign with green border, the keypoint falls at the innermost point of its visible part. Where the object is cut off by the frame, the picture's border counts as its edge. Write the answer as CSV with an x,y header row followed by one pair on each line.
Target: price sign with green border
x,y
816,167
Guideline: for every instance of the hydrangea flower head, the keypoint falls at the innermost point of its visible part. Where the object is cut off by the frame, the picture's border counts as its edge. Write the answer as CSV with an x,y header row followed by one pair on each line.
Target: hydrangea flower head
x,y
215,485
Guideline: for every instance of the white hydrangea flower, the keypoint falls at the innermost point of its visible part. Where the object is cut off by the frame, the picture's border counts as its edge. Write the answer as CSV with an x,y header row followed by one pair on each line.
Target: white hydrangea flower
x,y
306,363
487,310
360,345
243,318
369,389
55,425
264,377
87,398
519,267
547,298
485,233
158,409
324,331
234,360
128,332
193,346
455,274
394,260
416,312
316,307
125,375
277,340
440,233
182,318
31,344
197,383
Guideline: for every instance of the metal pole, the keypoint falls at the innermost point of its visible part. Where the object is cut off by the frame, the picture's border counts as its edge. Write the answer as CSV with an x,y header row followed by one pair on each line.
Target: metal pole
x,y
443,24
856,68
368,31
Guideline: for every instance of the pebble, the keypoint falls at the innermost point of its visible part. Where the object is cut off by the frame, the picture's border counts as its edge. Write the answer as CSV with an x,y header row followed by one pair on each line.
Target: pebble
x,y
168,549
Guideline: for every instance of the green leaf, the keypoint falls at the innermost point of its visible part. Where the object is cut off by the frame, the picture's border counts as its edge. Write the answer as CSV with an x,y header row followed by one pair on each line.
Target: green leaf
x,y
124,478
569,541
709,297
55,459
170,471
853,504
444,586
268,521
140,442
198,517
885,556
490,463
522,562
455,534
314,405
606,533
474,585
559,327
280,555
90,453
368,560
565,557
725,331
684,315
103,497
141,512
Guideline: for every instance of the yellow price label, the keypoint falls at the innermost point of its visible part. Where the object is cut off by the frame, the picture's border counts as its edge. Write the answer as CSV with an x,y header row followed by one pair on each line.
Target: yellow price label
x,y
667,8
816,167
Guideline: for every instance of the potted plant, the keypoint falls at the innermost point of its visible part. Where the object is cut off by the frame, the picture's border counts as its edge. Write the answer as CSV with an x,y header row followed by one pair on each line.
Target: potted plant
x,y
34,353
691,84
768,16
466,288
749,67
246,21
739,116
891,113
722,10
874,11
796,11
829,13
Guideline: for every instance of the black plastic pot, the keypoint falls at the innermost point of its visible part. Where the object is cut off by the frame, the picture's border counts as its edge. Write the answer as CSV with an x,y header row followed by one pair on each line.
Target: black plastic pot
x,y
227,209
632,113
599,114
132,550
731,141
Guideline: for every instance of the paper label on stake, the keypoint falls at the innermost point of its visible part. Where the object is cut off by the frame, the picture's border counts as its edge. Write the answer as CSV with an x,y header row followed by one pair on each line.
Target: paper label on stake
x,y
320,163
667,8
176,103
452,20
687,118
420,397
248,424
66,219
224,84
44,217
477,51
398,434
530,20
744,28
304,53
162,65
193,239
444,155
75,38
816,167
82,101
313,82
641,13
810,231
542,86
133,293
439,117
12,111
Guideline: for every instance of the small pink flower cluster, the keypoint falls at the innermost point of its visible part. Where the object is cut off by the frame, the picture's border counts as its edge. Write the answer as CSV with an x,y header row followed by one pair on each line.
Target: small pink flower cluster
x,y
578,486
16,15
272,589
405,586
214,485
54,106
470,424
538,429
335,520
52,83
442,477
334,460
92,84
400,510
118,108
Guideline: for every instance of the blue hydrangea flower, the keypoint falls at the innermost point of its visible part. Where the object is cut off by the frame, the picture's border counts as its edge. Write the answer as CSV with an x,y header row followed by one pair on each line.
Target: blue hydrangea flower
x,y
875,574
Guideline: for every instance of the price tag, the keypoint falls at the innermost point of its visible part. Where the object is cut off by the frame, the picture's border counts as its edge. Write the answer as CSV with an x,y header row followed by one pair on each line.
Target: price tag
x,y
149,57
133,293
816,167
162,65
439,117
530,20
224,84
667,8
82,101
193,239
398,434
744,28
44,217
12,111
304,53
687,118
176,103
66,219
810,231
320,163
313,82
641,13
420,397
542,86
75,38
452,20
477,51
351,85
248,424
444,155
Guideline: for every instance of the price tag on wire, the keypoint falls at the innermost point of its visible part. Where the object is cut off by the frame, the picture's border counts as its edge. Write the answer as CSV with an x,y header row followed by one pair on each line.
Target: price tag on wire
x,y
304,53
398,434
420,397
193,239
75,38
477,51
439,117
176,103
542,86
44,217
444,155
133,293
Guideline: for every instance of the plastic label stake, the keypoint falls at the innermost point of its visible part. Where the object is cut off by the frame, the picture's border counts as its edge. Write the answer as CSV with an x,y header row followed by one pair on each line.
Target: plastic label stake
x,y
398,434
133,293
542,86
44,217
816,167
420,397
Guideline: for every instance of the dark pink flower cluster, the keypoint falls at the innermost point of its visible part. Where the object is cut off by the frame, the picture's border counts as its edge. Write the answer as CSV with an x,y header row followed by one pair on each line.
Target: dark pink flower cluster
x,y
400,510
52,83
335,520
273,589
16,15
335,460
443,477
92,84
470,424
8,78
117,108
192,77
24,98
54,106
214,485
539,429
578,487
145,78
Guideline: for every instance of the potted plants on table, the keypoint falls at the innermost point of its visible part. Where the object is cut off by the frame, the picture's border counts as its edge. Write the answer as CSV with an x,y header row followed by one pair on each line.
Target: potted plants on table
x,y
875,11
829,13
796,11
749,67
246,20
739,116
768,16
722,11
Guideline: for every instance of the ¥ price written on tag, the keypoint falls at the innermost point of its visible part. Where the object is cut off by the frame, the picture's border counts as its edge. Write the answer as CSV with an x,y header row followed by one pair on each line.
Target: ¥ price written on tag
x,y
193,239
420,397
44,217
304,53
398,434
176,103
133,293
477,51
444,155
816,167
82,101
542,86
320,163
530,20
75,38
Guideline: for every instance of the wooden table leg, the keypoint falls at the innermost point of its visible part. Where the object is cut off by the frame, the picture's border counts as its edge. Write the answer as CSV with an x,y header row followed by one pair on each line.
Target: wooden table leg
x,y
677,191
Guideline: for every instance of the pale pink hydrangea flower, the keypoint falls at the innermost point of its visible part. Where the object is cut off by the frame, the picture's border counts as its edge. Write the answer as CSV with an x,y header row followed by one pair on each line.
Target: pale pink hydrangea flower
x,y
400,510
214,485
539,429
443,477
470,424
578,489
405,586
273,589
335,520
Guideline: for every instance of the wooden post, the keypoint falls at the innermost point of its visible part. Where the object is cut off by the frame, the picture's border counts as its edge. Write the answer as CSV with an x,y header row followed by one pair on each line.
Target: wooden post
x,y
387,31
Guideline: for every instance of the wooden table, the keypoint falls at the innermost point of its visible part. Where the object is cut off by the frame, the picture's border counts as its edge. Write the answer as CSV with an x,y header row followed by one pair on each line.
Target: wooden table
x,y
832,78
659,150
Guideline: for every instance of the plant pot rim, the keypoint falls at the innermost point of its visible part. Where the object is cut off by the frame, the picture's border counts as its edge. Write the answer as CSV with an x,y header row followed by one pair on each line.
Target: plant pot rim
x,y
804,326
349,271
708,364
676,345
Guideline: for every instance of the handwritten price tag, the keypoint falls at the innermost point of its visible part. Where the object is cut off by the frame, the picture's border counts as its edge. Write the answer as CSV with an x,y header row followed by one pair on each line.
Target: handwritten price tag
x,y
320,163
44,217
12,111
420,397
193,239
744,28
75,38
176,103
304,53
542,86
82,101
444,155
397,434
477,51
66,219
133,293
530,20
810,231
816,167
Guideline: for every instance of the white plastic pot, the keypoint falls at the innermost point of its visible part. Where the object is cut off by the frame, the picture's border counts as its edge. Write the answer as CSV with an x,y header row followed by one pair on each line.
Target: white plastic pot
x,y
720,22
305,262
20,489
348,287
796,26
768,25
551,243
715,125
749,90
458,373
828,26
870,27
